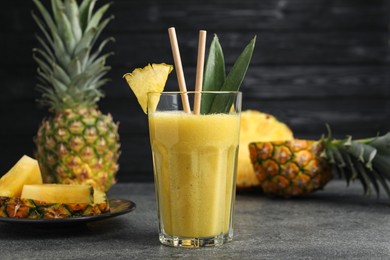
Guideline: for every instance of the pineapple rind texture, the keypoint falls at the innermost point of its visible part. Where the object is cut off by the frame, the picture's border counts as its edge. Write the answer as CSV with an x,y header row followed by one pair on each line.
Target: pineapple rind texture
x,y
290,168
79,147
256,126
14,207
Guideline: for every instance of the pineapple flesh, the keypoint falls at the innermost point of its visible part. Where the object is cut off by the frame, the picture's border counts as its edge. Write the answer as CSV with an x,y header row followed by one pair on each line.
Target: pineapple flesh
x,y
77,144
25,171
22,195
256,126
59,193
151,78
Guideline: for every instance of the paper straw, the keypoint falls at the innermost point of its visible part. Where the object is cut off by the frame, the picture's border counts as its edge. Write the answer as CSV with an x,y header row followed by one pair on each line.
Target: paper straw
x,y
199,71
179,69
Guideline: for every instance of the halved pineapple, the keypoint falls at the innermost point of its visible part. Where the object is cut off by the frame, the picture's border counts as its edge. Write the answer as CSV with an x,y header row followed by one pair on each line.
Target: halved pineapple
x,y
25,171
256,126
59,193
55,201
151,78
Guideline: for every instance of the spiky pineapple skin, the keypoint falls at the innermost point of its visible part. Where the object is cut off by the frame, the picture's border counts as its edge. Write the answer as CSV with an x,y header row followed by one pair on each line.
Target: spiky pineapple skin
x,y
290,168
15,207
79,147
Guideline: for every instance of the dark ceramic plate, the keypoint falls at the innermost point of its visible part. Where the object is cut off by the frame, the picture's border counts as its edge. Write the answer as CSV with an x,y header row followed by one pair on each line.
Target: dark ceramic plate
x,y
117,207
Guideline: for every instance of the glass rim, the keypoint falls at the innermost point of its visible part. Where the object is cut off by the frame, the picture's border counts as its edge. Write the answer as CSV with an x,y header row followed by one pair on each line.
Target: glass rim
x,y
194,92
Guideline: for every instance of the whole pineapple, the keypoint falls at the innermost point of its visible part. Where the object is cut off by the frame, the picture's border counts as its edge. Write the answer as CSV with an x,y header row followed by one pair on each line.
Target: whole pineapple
x,y
78,144
298,167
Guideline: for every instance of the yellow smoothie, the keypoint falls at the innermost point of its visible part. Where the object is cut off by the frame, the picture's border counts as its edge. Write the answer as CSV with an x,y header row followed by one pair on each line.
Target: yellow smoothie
x,y
194,165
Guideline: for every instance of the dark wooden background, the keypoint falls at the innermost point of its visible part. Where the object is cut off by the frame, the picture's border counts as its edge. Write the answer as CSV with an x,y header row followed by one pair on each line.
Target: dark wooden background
x,y
316,62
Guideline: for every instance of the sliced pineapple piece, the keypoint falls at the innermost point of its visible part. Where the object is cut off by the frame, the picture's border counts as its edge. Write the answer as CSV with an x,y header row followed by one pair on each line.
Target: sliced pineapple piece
x,y
25,171
101,201
59,193
151,78
255,127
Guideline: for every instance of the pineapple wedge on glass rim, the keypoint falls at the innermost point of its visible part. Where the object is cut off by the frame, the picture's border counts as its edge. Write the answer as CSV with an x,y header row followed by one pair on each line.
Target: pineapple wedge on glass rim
x,y
151,78
77,144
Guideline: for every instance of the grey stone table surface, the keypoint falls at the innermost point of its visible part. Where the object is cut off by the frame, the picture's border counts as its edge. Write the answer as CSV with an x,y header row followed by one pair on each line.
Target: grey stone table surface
x,y
335,223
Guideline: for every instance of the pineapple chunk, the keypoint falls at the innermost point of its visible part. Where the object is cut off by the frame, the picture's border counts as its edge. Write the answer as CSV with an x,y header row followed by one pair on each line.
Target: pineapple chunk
x,y
59,193
99,197
25,171
101,201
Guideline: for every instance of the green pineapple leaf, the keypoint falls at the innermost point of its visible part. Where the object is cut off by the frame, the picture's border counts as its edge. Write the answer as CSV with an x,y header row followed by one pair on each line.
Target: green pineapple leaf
x,y
374,181
363,152
48,51
363,177
381,143
214,74
95,20
39,22
382,181
60,74
215,78
369,161
56,7
101,47
382,165
100,28
46,16
72,12
85,41
234,79
66,31
351,167
237,74
42,65
74,68
48,60
85,11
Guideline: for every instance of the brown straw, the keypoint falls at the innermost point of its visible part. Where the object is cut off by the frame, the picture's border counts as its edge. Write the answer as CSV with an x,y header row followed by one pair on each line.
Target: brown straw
x,y
179,69
199,71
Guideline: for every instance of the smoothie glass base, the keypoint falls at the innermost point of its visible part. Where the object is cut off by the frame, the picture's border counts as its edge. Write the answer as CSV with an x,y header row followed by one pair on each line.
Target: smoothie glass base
x,y
195,242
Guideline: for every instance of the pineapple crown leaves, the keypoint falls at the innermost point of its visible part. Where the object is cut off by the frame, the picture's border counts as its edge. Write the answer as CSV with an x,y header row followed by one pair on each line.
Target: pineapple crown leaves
x,y
70,69
366,159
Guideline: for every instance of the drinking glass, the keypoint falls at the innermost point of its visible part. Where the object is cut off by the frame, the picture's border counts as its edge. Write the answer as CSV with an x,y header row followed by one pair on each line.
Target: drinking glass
x,y
194,163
